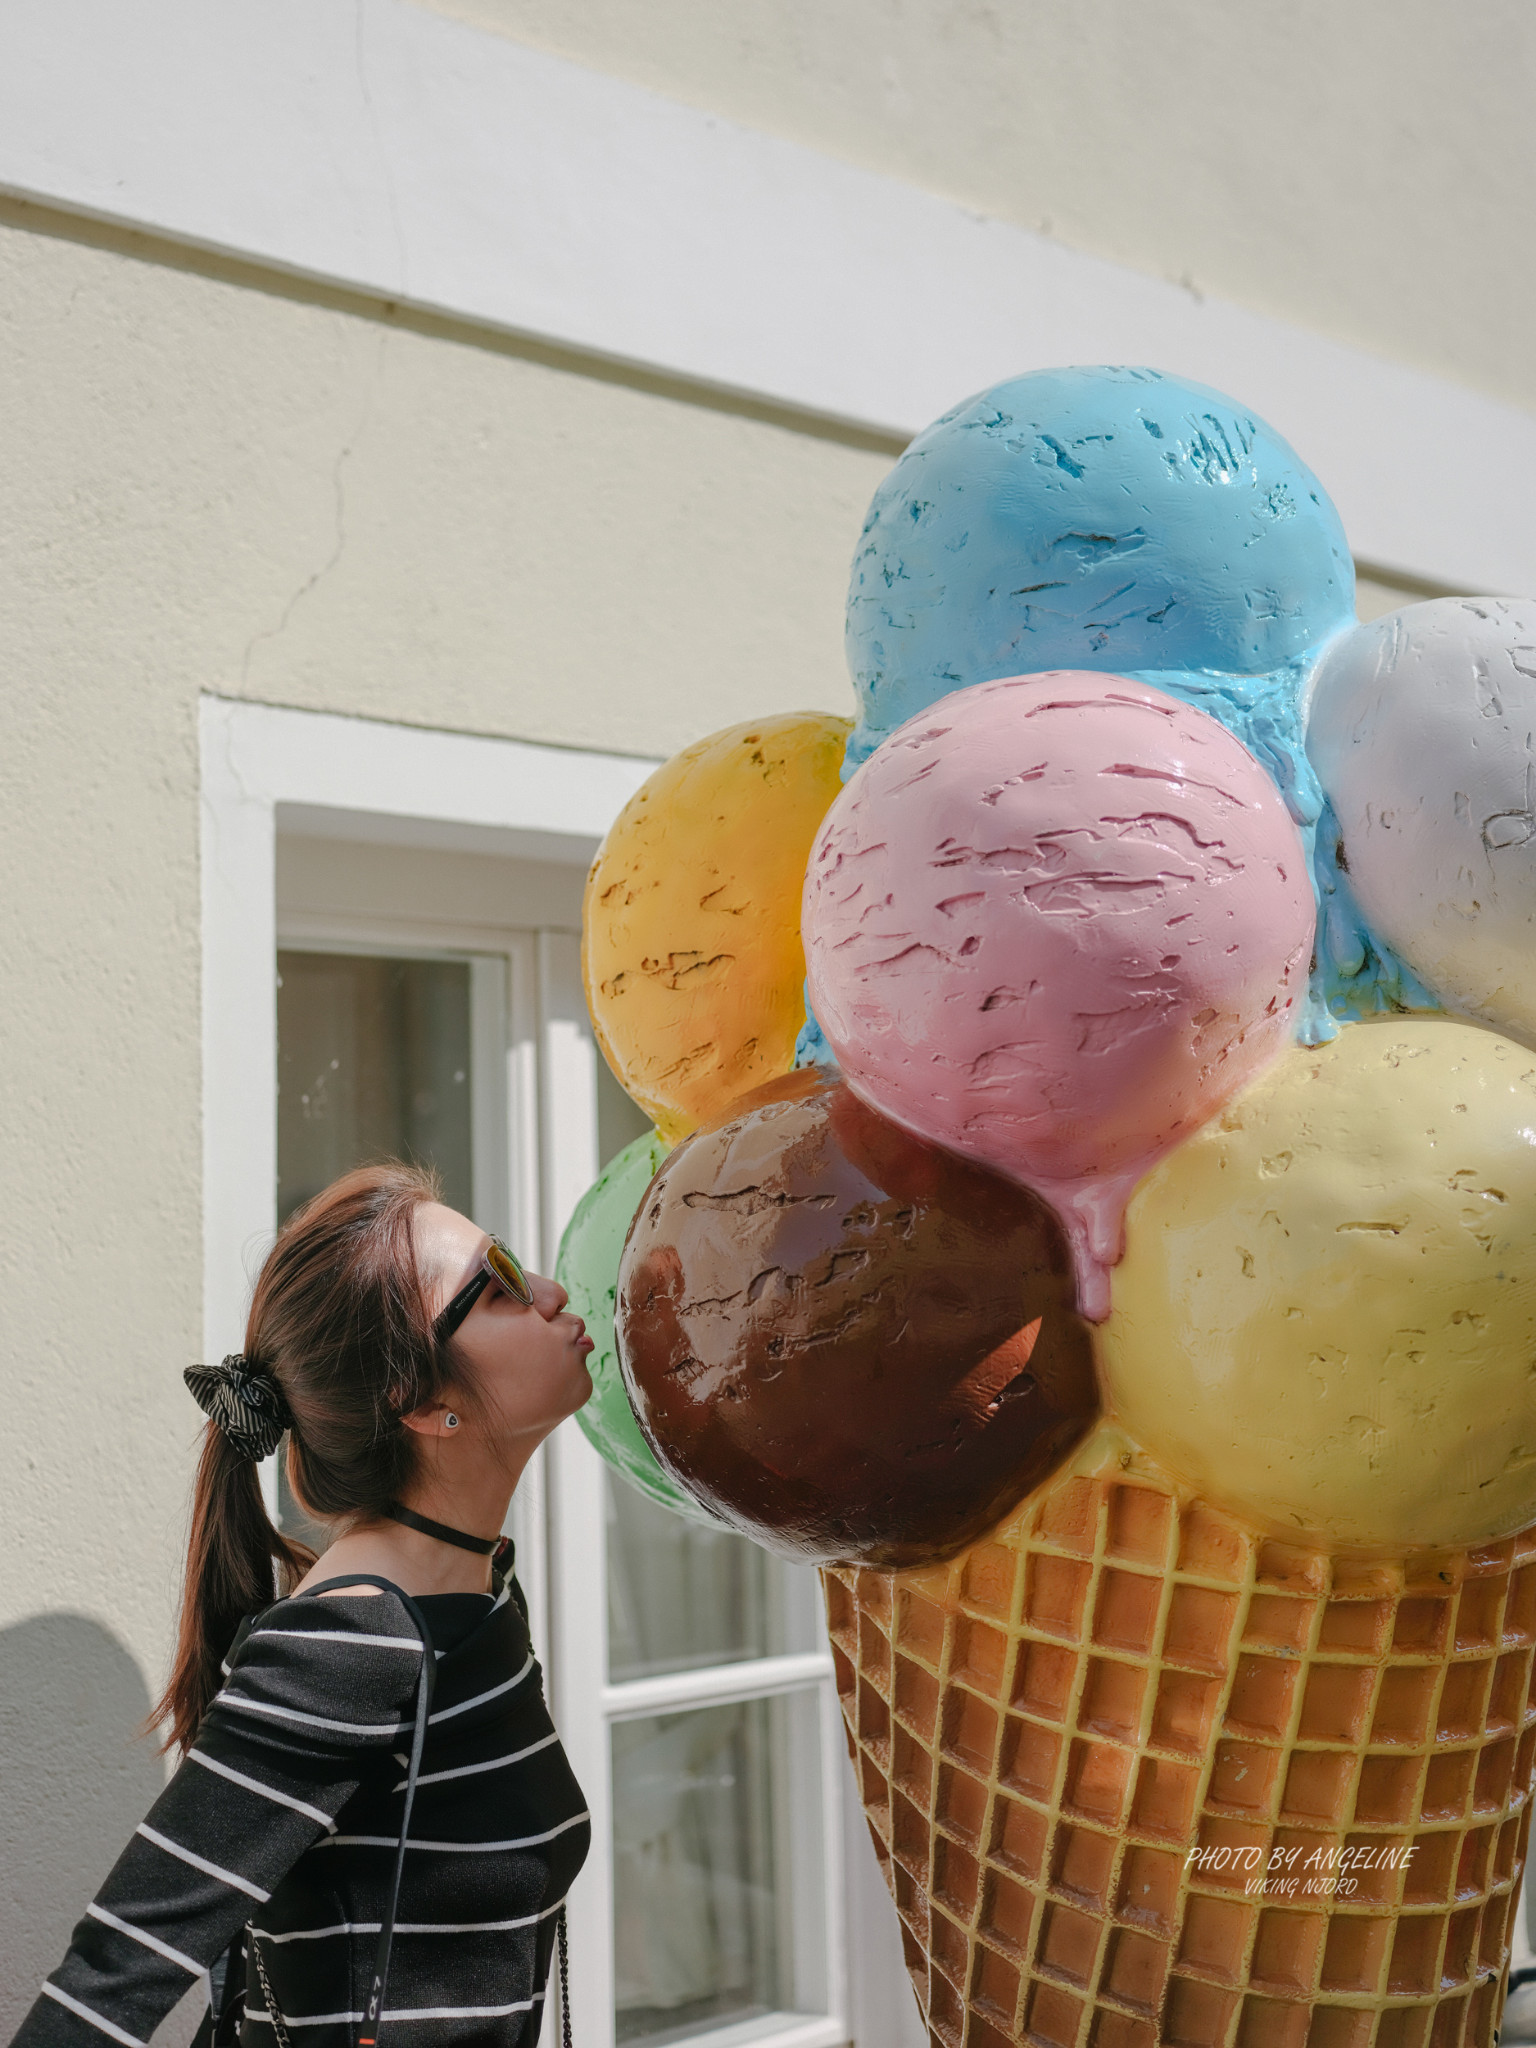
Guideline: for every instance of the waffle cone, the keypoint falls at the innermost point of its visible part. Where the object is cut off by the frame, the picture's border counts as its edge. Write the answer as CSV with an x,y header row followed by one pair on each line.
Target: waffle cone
x,y
1058,1733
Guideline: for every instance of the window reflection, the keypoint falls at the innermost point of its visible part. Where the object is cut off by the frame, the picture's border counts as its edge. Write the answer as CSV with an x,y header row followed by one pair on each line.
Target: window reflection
x,y
681,1596
372,1063
717,1869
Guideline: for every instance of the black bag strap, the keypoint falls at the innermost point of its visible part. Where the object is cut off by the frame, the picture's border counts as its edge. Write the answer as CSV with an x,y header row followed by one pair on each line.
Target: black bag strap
x,y
424,1688
563,1944
220,2027
373,2010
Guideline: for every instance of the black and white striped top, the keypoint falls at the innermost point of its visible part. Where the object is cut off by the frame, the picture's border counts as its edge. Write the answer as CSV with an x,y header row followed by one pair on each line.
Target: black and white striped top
x,y
286,1812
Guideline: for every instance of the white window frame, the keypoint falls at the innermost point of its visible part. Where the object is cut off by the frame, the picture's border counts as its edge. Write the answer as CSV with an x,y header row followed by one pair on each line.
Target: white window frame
x,y
266,769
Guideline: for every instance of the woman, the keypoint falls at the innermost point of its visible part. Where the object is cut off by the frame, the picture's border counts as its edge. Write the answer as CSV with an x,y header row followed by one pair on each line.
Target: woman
x,y
415,1368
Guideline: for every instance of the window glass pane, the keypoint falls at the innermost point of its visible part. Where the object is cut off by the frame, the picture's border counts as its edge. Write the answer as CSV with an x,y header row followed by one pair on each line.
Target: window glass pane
x,y
681,1596
718,1905
372,1063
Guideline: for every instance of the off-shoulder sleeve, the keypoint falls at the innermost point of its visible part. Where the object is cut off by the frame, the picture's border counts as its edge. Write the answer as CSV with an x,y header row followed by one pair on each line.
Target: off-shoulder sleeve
x,y
317,1689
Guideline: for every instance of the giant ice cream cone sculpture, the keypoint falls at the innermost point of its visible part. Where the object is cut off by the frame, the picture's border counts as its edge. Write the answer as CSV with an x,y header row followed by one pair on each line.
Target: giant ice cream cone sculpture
x,y
1132,1303
1136,1773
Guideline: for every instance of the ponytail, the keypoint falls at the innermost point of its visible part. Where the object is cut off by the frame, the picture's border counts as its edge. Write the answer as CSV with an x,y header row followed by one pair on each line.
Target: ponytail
x,y
340,1336
231,1554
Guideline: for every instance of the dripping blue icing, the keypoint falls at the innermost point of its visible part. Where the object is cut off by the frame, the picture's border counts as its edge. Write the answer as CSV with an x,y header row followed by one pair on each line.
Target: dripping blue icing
x,y
811,1047
1267,714
1356,973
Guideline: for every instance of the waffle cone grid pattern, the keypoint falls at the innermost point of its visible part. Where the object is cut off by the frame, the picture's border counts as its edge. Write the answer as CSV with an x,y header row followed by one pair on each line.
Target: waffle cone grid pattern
x,y
1045,1728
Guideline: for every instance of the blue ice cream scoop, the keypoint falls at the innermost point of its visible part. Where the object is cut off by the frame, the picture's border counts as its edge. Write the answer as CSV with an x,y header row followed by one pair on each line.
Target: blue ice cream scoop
x,y
1110,519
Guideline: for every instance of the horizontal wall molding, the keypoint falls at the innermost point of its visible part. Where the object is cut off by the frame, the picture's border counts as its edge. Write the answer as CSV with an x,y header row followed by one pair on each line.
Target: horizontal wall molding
x,y
374,145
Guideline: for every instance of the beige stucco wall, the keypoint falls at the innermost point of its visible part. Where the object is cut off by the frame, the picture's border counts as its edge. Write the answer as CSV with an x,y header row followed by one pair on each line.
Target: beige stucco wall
x,y
212,481
210,485
1357,166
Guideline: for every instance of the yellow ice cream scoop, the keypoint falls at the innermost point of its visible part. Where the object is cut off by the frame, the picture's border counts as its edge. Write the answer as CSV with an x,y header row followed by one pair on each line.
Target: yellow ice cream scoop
x,y
1326,1314
691,922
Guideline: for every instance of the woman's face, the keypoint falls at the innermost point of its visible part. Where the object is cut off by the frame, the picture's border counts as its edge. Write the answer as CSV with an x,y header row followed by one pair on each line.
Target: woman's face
x,y
526,1366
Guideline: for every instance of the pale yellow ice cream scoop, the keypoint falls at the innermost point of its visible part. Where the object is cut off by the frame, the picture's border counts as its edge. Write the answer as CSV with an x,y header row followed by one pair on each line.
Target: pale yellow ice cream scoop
x,y
1326,1314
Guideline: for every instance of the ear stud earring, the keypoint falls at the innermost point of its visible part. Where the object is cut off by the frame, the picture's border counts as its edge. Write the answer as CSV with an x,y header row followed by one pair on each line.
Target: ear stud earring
x,y
450,1420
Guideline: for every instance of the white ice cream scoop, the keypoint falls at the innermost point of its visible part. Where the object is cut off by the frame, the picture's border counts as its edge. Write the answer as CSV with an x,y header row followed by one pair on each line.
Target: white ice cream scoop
x,y
1421,729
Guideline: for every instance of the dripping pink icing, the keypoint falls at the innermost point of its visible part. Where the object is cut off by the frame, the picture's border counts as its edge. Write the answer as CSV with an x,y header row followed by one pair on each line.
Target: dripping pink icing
x,y
1053,923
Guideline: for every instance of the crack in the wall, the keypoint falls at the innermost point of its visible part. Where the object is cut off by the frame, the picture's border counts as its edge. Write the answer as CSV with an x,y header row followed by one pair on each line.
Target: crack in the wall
x,y
315,577
311,582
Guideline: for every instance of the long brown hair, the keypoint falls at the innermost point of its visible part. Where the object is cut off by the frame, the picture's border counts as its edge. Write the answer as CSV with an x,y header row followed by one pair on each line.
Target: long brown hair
x,y
340,1320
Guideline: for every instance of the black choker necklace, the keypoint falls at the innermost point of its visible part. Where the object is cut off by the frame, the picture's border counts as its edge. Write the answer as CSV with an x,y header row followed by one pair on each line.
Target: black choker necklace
x,y
482,1546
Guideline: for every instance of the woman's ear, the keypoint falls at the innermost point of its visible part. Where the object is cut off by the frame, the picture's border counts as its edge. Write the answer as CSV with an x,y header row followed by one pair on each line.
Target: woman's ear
x,y
433,1418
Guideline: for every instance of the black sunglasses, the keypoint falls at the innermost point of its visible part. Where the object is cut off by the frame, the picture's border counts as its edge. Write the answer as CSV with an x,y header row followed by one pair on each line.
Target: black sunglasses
x,y
498,1268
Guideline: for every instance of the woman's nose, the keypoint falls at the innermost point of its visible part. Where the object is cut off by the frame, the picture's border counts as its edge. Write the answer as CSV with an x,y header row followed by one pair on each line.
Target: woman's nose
x,y
549,1297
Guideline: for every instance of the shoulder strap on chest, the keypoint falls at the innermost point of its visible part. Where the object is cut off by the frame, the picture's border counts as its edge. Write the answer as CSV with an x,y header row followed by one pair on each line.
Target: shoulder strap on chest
x,y
426,1685
417,1618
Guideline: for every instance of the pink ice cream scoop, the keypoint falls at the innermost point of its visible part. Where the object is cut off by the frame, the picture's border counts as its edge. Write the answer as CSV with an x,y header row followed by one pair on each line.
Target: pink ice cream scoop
x,y
1053,923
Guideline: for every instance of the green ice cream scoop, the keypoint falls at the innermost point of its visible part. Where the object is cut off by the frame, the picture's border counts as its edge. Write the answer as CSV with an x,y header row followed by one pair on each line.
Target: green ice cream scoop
x,y
588,1269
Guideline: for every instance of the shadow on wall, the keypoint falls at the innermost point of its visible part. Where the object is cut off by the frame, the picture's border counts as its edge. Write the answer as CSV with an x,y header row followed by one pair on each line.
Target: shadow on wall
x,y
74,1783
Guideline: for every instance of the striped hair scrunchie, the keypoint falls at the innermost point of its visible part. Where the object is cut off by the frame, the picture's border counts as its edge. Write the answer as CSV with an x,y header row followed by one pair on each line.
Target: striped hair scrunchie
x,y
245,1401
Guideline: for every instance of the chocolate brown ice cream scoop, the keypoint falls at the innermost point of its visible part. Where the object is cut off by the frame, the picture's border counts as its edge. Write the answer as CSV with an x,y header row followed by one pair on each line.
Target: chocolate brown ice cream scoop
x,y
849,1344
